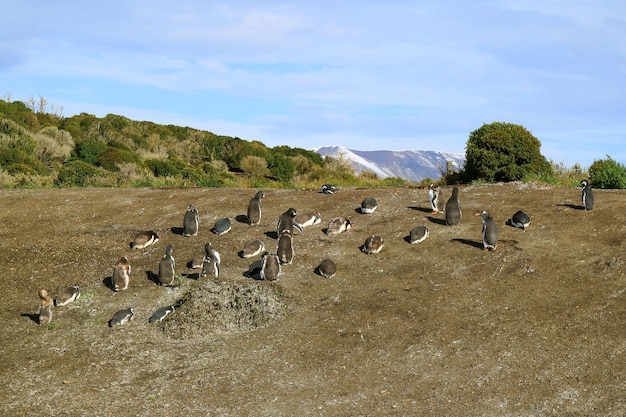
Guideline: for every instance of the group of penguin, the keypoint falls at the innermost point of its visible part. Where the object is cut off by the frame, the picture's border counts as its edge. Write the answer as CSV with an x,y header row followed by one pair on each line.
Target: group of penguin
x,y
269,267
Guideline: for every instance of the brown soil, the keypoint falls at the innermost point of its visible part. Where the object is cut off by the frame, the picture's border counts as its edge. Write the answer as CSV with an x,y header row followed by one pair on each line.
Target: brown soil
x,y
439,328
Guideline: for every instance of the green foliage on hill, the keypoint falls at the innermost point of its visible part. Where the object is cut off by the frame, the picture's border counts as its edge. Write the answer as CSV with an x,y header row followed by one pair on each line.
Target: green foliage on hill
x,y
607,173
503,152
39,149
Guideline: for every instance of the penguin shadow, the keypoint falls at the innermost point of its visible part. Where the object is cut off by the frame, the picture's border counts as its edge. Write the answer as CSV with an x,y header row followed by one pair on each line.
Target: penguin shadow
x,y
152,277
242,218
436,220
34,317
192,275
272,235
572,206
422,209
468,242
108,282
254,271
177,230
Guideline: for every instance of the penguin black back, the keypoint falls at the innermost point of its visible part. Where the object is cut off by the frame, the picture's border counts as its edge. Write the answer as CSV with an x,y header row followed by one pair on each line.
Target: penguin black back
x,y
453,208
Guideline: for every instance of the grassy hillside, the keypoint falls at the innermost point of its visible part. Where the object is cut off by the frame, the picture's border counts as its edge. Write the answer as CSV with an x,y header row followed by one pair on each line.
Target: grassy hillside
x,y
40,149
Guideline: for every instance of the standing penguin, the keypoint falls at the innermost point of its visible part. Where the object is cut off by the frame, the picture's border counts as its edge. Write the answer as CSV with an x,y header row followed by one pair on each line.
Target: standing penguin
x,y
67,295
191,221
254,208
284,248
490,232
286,222
433,198
587,195
211,264
45,311
453,208
167,267
520,219
270,268
121,274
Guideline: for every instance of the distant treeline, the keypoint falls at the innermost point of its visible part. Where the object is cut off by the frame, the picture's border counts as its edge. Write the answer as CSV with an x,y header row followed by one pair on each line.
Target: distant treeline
x,y
42,149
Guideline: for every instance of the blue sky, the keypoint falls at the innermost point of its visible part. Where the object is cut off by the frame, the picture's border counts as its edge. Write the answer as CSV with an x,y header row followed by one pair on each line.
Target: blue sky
x,y
361,74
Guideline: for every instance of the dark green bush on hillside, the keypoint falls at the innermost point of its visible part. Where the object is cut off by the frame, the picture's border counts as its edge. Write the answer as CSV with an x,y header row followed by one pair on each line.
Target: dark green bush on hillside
x,y
14,161
76,174
162,168
88,150
503,152
607,173
111,157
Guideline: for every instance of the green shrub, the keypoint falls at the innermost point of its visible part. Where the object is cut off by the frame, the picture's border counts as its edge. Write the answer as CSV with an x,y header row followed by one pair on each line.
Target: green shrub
x,y
162,168
76,174
607,173
111,158
503,152
88,150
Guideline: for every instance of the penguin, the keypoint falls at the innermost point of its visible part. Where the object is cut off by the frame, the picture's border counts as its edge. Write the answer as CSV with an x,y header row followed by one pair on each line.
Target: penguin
x,y
222,226
284,248
254,208
440,202
270,268
373,244
327,189
453,209
327,268
433,198
121,274
520,219
338,225
253,248
490,232
167,267
161,313
66,295
587,195
121,317
191,221
418,234
369,205
47,305
286,222
211,264
308,219
197,260
144,239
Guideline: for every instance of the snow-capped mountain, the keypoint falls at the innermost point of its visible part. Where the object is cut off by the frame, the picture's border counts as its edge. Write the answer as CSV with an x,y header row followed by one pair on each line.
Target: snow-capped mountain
x,y
412,165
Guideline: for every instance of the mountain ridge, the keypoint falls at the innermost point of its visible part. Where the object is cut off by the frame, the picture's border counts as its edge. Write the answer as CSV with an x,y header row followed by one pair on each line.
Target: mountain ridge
x,y
413,165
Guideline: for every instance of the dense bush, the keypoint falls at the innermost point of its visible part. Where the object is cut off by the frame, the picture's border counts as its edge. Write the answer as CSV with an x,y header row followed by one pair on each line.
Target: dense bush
x,y
607,173
88,150
111,158
76,173
162,168
503,152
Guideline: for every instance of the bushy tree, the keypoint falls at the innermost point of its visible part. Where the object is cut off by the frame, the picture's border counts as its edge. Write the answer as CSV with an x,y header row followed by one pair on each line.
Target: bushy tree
x,y
503,152
76,173
607,173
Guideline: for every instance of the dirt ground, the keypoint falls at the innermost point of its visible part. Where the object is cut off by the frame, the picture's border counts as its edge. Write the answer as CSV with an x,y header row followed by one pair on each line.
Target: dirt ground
x,y
439,328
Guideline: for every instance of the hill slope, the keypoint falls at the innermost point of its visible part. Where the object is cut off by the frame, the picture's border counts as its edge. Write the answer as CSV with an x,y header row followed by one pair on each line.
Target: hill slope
x,y
437,328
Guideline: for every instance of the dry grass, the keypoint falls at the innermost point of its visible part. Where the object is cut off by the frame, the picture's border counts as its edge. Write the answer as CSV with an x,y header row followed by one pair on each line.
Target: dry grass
x,y
535,328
